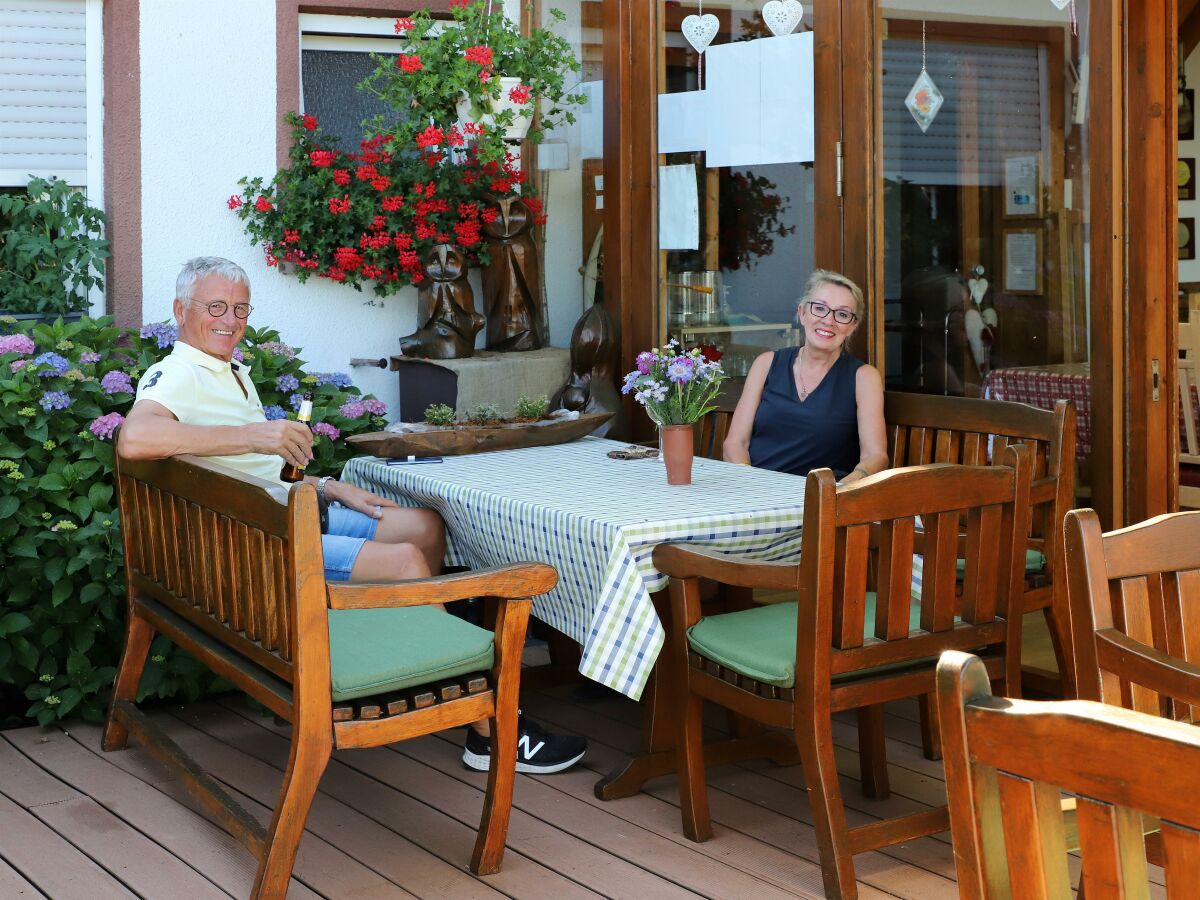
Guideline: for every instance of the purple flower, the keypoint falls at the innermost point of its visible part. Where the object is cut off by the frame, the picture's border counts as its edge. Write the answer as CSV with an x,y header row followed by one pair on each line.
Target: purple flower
x,y
104,426
680,371
54,400
287,383
352,409
238,354
274,412
164,333
375,407
327,430
630,382
89,357
645,361
278,348
337,379
116,382
17,365
58,364
16,343
296,400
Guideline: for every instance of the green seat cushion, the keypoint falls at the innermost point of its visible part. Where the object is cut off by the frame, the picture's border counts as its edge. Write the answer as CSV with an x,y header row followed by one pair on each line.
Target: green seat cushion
x,y
761,642
372,651
1035,563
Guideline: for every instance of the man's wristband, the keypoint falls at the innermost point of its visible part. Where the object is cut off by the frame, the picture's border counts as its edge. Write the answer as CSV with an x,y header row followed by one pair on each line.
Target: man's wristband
x,y
321,487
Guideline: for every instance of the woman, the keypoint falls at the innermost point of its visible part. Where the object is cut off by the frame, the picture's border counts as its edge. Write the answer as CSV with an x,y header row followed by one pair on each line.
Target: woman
x,y
814,406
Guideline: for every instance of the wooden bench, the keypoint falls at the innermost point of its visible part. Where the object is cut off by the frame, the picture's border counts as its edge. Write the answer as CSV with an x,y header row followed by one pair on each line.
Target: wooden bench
x,y
230,569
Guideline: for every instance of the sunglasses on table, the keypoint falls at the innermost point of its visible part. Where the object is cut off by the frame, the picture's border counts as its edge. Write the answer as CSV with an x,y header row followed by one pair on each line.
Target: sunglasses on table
x,y
840,315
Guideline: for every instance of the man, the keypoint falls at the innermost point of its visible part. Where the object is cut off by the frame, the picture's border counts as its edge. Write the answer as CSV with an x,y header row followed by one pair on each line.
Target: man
x,y
199,401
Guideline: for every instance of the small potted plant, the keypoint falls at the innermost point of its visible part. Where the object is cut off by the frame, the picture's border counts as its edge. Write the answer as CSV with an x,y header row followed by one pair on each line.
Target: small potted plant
x,y
678,389
52,252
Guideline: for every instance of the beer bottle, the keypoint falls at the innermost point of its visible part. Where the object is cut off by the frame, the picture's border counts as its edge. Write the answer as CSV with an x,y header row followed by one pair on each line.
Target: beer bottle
x,y
291,472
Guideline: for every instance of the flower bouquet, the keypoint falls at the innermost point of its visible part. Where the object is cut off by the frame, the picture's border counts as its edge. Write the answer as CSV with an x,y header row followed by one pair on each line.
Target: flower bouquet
x,y
677,388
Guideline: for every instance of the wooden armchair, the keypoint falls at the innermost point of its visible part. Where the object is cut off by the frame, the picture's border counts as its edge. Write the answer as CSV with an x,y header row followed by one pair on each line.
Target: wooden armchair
x,y
924,429
1135,603
1007,764
230,569
839,647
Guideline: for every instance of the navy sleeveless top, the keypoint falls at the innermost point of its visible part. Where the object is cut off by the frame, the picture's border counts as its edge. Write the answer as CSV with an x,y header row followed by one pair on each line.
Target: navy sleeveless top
x,y
795,437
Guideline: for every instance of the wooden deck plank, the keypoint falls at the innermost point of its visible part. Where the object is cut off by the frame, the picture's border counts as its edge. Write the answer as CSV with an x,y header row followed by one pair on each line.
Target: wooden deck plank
x,y
778,815
46,859
405,818
321,863
78,759
14,886
528,835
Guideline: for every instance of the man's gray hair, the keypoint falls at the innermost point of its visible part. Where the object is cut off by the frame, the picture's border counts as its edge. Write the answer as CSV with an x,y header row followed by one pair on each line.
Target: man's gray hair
x,y
202,266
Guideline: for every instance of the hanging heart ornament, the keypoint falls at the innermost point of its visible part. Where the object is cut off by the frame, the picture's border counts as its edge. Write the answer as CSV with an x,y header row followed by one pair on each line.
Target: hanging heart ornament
x,y
1061,4
700,30
782,16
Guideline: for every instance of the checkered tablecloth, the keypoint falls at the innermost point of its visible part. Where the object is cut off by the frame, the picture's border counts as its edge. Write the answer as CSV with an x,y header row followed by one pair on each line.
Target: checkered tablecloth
x,y
1042,386
597,521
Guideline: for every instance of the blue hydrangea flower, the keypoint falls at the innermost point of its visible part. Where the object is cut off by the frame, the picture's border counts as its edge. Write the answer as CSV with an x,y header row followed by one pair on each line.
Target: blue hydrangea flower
x,y
296,400
287,383
337,379
164,333
116,382
274,412
58,364
54,400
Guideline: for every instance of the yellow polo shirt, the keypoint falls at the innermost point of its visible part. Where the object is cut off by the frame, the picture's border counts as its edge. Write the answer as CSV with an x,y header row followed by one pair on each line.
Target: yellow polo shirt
x,y
200,389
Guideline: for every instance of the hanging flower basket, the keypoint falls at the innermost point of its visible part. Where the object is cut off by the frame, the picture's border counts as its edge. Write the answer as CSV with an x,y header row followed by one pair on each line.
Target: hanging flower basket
x,y
487,111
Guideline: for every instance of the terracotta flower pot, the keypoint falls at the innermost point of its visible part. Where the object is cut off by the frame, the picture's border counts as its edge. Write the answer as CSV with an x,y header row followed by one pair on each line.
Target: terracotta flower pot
x,y
677,444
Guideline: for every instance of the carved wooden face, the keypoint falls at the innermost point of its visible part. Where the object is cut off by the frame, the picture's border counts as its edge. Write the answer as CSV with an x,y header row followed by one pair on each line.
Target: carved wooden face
x,y
445,263
513,219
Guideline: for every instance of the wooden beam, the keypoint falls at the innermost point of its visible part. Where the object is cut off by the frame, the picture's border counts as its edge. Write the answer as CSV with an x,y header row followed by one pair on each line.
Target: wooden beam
x,y
1106,116
1151,314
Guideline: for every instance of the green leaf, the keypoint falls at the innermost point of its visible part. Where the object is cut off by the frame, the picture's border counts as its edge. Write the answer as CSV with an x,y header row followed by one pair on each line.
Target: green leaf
x,y
91,593
62,590
99,495
14,622
8,506
52,483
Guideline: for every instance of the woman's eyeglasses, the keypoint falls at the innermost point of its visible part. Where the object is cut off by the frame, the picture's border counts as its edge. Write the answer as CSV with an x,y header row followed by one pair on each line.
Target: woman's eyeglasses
x,y
841,316
217,308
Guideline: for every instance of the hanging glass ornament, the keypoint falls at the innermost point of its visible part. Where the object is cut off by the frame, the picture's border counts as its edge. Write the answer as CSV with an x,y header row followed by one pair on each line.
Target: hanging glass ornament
x,y
925,99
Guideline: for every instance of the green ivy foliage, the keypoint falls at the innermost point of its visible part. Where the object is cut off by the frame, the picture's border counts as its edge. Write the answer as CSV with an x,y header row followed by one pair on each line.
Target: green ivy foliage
x,y
63,389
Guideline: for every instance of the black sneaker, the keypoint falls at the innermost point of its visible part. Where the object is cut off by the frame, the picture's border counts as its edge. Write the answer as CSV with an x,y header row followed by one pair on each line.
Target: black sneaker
x,y
538,751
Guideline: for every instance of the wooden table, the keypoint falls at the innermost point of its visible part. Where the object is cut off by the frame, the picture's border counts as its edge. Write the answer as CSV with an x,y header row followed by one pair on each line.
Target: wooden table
x,y
597,521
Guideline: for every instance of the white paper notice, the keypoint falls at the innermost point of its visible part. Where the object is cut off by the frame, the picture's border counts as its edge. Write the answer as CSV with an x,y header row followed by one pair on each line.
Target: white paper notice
x,y
757,108
678,208
591,120
1021,261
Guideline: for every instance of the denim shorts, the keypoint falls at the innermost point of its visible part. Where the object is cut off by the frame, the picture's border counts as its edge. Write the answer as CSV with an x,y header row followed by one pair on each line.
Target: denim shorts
x,y
348,531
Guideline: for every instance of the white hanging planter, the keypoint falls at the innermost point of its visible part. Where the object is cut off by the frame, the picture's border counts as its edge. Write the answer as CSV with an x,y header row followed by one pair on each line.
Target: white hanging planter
x,y
468,112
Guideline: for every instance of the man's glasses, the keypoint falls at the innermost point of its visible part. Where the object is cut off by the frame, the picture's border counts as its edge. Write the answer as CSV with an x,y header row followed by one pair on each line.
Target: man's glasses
x,y
217,308
840,315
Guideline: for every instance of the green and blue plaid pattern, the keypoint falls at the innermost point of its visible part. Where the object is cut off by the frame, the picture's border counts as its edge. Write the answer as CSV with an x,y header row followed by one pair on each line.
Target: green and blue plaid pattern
x,y
597,521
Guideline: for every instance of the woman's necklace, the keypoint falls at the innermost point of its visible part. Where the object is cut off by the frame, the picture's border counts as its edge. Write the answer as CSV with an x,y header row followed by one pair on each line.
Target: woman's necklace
x,y
803,390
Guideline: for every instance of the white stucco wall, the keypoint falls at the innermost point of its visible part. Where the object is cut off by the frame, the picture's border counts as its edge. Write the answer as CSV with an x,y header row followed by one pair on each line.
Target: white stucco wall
x,y
208,118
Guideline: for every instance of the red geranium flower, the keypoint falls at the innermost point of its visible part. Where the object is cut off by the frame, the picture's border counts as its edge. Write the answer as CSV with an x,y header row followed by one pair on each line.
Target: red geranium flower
x,y
341,176
309,122
404,25
409,62
480,53
322,158
519,94
431,137
340,204
234,201
262,204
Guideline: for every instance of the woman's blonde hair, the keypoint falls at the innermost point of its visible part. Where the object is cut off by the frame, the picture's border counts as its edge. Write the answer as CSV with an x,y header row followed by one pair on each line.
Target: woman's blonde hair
x,y
824,276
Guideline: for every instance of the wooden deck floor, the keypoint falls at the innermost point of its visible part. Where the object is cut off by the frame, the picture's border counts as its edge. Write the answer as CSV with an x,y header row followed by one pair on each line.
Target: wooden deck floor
x,y
399,821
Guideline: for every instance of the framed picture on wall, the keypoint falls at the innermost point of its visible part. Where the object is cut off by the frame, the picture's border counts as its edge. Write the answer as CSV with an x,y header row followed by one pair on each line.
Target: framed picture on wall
x,y
1023,185
1023,261
1185,178
1187,238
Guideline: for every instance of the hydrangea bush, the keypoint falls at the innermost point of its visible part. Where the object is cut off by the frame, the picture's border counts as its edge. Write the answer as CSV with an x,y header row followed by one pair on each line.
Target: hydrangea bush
x,y
64,390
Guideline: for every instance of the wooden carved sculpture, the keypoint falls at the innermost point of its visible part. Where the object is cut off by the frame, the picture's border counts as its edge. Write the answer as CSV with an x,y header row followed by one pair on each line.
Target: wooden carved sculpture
x,y
445,309
511,280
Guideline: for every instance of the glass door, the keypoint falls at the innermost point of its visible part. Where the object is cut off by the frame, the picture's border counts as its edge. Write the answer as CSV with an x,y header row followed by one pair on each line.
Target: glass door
x,y
985,202
737,128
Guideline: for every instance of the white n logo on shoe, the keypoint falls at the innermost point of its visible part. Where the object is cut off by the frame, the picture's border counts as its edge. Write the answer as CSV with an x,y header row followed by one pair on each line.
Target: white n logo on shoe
x,y
523,744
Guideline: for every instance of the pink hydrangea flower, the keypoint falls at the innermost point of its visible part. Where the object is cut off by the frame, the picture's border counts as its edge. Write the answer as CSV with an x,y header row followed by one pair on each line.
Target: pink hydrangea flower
x,y
104,426
16,343
18,364
375,407
326,430
352,409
